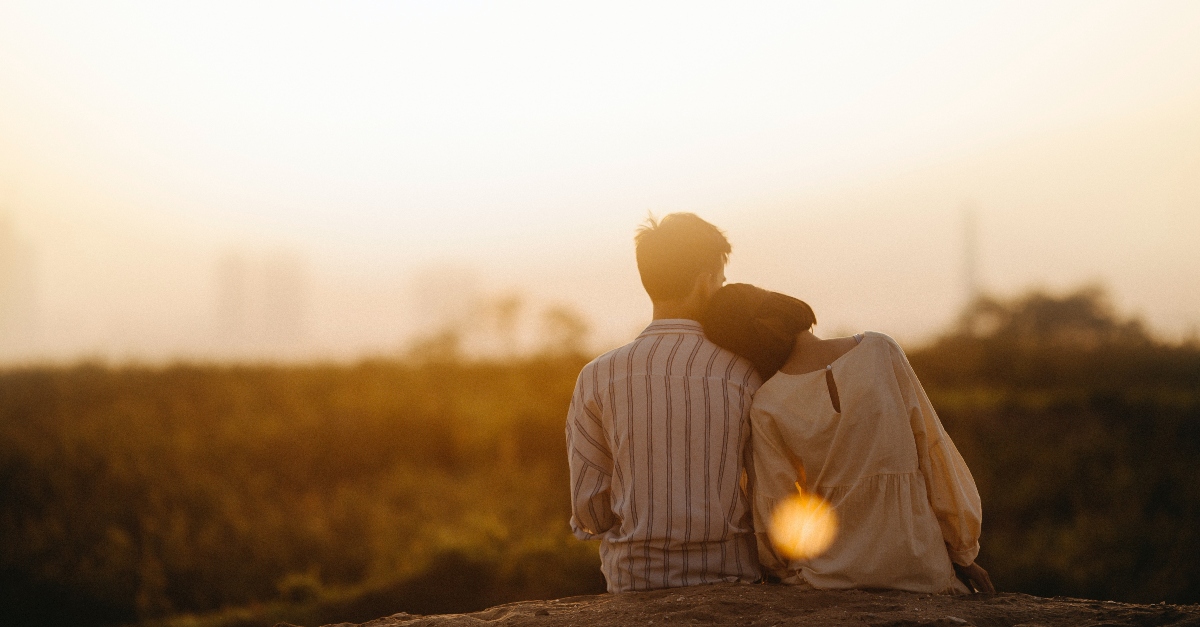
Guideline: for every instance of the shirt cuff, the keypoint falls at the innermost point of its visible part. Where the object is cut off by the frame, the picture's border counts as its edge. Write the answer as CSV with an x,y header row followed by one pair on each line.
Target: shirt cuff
x,y
581,533
965,557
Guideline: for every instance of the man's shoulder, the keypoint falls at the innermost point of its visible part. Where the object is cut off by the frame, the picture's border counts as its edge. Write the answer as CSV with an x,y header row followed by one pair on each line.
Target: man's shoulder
x,y
601,364
722,363
705,358
612,355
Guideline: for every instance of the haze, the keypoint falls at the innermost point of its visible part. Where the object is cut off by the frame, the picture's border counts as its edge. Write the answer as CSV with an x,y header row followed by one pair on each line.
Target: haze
x,y
336,180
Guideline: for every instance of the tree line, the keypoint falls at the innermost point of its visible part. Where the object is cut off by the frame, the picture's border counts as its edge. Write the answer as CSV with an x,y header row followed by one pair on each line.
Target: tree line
x,y
246,495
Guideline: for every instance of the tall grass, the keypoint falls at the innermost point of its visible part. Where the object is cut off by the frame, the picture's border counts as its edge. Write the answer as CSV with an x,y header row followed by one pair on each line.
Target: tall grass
x,y
209,495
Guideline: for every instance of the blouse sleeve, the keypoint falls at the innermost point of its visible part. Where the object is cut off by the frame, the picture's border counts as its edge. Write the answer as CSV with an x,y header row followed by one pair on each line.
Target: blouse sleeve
x,y
952,492
774,479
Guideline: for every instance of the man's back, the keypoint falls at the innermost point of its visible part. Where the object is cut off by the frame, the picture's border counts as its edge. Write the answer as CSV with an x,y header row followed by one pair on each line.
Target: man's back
x,y
657,440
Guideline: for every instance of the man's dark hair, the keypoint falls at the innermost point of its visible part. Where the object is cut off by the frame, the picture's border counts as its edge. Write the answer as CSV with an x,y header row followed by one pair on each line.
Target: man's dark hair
x,y
673,251
757,324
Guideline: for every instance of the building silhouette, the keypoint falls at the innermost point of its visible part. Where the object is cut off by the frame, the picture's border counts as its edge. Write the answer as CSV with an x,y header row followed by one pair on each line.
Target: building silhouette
x,y
261,305
18,294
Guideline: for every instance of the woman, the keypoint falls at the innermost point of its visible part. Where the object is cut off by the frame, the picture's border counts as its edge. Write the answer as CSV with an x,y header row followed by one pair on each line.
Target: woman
x,y
847,419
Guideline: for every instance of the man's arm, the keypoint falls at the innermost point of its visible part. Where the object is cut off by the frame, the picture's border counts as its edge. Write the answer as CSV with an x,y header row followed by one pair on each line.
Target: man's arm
x,y
591,463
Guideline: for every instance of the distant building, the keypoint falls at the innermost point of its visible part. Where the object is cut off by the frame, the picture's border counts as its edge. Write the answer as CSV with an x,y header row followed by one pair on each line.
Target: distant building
x,y
231,294
261,305
18,294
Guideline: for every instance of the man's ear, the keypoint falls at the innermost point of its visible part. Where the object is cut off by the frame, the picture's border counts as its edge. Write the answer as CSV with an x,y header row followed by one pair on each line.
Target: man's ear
x,y
702,286
713,281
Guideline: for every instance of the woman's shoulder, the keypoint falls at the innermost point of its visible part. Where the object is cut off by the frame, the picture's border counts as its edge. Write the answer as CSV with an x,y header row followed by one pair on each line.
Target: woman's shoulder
x,y
882,340
784,394
887,354
882,350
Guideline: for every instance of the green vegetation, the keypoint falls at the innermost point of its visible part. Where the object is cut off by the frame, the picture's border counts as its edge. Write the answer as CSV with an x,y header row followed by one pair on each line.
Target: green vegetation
x,y
205,495
1083,434
136,494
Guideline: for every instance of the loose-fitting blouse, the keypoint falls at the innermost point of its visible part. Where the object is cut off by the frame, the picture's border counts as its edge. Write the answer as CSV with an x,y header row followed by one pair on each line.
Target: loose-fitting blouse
x,y
905,500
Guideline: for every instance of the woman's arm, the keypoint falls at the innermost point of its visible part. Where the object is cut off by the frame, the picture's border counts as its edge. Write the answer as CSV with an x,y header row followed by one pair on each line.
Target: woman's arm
x,y
975,578
776,471
952,492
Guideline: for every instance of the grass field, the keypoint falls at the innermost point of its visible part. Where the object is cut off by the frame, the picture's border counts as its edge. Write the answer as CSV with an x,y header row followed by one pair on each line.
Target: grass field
x,y
239,495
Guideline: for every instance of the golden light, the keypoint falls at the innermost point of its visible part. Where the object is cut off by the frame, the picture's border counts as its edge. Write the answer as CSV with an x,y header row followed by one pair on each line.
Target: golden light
x,y
803,526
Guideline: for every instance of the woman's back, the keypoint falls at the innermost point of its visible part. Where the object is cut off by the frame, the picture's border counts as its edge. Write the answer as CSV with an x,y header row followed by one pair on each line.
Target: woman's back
x,y
900,489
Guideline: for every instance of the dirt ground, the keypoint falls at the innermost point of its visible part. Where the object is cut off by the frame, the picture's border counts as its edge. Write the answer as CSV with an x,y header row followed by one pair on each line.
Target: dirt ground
x,y
741,604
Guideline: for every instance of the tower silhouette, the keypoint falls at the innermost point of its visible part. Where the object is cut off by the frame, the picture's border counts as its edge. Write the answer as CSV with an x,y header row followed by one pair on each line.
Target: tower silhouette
x,y
970,225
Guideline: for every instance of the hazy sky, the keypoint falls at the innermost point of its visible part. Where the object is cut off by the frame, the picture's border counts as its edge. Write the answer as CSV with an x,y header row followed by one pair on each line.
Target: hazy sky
x,y
405,158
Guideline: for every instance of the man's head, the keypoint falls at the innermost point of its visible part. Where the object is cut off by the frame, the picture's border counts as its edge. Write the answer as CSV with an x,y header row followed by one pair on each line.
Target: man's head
x,y
682,261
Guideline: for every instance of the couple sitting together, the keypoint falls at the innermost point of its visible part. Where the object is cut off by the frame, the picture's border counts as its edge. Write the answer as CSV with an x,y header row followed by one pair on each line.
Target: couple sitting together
x,y
683,442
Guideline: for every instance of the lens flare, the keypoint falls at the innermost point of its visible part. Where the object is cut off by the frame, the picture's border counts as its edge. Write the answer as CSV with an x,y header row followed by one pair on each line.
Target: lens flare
x,y
803,526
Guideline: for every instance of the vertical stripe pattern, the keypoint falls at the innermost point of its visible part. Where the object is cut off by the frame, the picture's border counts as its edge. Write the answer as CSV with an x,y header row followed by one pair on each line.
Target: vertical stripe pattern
x,y
657,441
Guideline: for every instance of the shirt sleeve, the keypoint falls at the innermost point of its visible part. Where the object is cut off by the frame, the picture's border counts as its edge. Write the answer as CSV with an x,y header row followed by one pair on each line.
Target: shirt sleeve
x,y
591,464
775,477
952,492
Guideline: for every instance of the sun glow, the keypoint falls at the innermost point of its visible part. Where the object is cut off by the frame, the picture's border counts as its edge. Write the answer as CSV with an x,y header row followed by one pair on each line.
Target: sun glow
x,y
803,526
353,148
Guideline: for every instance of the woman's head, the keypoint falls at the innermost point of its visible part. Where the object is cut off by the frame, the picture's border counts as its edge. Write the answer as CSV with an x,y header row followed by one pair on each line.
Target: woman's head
x,y
757,324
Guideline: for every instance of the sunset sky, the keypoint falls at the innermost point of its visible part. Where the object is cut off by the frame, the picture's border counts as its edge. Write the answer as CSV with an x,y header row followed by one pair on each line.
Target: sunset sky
x,y
372,171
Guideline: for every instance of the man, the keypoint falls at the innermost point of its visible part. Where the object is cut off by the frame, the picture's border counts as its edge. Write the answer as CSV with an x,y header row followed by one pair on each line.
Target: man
x,y
658,429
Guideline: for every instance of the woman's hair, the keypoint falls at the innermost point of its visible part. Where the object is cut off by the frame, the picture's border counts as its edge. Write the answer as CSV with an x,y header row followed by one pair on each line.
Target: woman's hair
x,y
757,324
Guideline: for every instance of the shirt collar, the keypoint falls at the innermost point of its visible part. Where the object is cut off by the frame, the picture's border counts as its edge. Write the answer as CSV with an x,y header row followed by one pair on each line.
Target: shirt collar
x,y
673,325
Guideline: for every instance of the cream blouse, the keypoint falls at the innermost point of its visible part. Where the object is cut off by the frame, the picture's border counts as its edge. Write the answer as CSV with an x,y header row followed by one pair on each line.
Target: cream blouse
x,y
905,501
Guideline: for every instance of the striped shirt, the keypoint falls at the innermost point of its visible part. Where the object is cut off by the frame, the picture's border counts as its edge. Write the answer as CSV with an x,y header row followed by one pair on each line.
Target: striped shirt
x,y
657,440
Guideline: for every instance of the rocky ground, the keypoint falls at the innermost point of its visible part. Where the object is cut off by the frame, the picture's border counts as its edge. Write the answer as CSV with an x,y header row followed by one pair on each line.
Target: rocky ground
x,y
734,604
